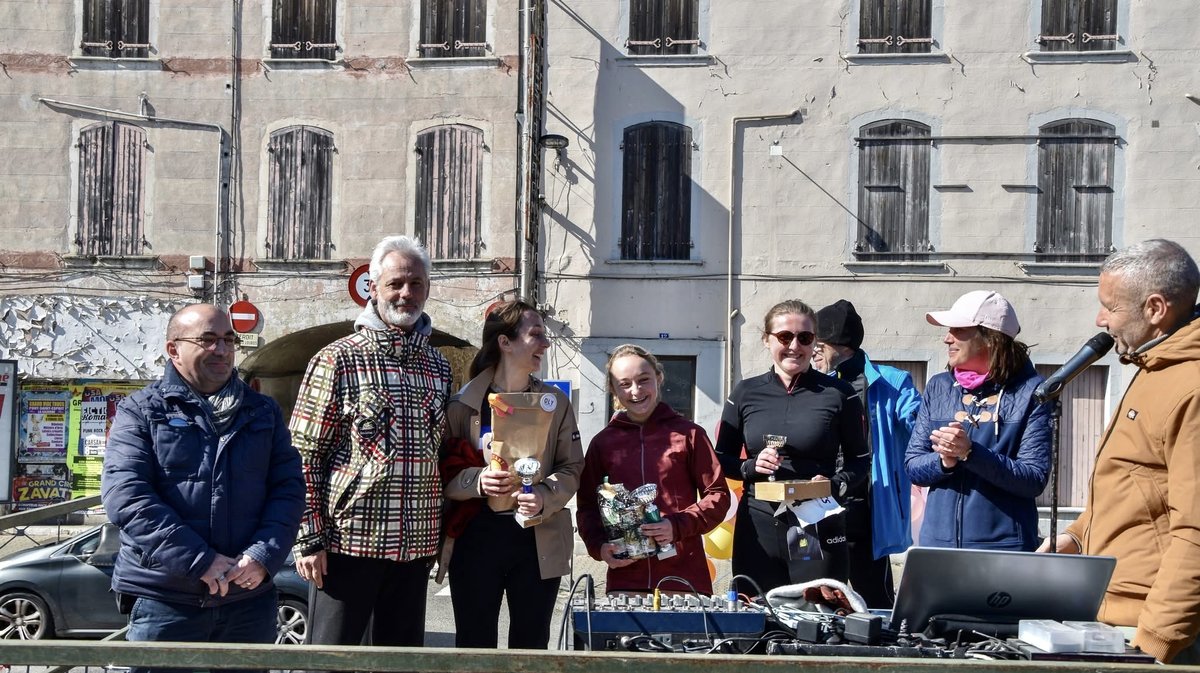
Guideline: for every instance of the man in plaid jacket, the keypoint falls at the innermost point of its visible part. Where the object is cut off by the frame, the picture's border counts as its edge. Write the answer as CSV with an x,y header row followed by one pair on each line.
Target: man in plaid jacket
x,y
368,421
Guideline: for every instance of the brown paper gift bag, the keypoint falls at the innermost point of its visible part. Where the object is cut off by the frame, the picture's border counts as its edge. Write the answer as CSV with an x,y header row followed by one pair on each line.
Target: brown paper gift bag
x,y
520,429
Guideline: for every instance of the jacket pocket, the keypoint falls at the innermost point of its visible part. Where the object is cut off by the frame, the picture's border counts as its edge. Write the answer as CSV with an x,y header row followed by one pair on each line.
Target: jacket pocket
x,y
371,427
1154,502
179,445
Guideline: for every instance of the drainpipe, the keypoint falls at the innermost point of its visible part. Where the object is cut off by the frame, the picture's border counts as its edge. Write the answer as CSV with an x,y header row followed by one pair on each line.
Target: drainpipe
x,y
524,86
731,313
118,114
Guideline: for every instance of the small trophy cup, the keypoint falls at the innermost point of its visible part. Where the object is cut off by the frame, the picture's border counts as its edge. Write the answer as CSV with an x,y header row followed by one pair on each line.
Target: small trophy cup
x,y
527,469
775,442
646,495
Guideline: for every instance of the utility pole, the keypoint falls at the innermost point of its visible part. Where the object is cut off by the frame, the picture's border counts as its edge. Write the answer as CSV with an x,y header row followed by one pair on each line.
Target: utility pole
x,y
530,123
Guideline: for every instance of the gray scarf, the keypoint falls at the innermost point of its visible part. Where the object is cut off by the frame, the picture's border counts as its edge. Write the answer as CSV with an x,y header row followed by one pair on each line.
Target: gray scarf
x,y
224,404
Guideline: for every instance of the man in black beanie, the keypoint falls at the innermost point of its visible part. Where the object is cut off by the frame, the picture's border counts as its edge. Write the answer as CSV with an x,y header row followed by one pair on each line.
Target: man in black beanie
x,y
879,518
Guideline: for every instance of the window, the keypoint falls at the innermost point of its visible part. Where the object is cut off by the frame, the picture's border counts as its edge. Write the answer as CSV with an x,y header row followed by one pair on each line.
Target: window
x,y
895,27
678,387
116,28
1075,190
449,191
656,194
659,27
112,158
304,29
1079,25
300,188
893,190
453,28
679,384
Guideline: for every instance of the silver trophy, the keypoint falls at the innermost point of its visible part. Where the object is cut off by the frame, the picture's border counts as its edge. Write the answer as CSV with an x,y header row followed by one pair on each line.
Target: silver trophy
x,y
775,442
646,495
527,469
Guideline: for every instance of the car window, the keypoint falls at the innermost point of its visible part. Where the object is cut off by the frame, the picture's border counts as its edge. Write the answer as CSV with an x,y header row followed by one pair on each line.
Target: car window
x,y
86,546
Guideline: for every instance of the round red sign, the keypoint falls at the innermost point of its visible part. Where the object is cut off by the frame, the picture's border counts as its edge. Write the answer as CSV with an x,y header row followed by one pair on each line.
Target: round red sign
x,y
245,316
360,285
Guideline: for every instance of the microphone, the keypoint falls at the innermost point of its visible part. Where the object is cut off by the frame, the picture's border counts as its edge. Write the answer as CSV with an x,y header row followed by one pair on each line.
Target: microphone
x,y
1093,350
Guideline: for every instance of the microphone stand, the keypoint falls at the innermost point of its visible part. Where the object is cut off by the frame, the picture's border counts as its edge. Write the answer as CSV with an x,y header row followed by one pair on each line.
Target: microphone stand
x,y
1055,417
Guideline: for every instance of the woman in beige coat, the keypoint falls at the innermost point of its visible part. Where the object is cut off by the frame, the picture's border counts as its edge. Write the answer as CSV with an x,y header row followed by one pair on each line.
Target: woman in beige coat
x,y
489,553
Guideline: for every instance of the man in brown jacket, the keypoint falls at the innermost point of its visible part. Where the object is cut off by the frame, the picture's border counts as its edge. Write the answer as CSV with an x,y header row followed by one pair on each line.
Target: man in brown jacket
x,y
1144,503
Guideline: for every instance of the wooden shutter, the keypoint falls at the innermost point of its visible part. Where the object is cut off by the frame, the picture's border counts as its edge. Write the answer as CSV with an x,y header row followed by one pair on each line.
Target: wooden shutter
x,y
895,26
133,28
453,28
1082,425
111,201
1080,21
893,203
652,23
1075,190
299,214
97,28
304,29
448,212
656,192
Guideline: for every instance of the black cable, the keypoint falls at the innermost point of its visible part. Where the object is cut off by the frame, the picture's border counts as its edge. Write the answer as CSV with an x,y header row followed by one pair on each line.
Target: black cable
x,y
589,597
770,608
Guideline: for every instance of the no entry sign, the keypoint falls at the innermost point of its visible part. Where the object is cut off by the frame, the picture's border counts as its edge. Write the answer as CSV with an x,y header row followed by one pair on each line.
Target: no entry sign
x,y
245,316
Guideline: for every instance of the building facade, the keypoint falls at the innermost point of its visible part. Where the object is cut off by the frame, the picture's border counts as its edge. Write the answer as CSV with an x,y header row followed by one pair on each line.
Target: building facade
x,y
722,156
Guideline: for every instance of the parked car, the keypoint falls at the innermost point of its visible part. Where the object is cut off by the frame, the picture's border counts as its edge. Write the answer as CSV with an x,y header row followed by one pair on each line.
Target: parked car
x,y
62,590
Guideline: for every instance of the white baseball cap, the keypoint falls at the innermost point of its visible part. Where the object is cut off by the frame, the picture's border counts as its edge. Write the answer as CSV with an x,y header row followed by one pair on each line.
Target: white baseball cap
x,y
982,308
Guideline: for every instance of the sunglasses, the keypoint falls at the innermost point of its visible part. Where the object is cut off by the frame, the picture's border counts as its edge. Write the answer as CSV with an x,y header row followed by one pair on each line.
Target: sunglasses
x,y
785,337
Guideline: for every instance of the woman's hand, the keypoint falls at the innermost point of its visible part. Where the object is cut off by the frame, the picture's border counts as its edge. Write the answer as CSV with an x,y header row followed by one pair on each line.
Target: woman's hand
x,y
662,532
767,461
529,504
497,482
951,442
606,554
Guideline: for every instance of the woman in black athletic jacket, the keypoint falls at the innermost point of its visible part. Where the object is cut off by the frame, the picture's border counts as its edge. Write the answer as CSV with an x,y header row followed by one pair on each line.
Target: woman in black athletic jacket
x,y
793,423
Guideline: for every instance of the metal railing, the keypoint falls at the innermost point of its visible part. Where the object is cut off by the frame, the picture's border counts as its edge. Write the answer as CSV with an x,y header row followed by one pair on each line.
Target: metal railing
x,y
445,660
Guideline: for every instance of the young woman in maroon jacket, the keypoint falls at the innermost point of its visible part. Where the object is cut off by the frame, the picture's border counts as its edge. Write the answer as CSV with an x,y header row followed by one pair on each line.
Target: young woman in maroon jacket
x,y
649,443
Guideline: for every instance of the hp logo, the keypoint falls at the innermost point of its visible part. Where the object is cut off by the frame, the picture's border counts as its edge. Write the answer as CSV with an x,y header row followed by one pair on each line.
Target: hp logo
x,y
999,599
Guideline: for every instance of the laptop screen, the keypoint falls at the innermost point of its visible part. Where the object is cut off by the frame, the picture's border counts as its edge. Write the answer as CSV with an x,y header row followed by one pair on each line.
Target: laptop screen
x,y
1001,587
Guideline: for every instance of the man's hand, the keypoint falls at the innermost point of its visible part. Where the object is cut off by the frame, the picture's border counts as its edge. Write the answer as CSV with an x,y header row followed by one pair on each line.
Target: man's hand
x,y
1065,544
247,573
529,504
606,554
215,576
311,568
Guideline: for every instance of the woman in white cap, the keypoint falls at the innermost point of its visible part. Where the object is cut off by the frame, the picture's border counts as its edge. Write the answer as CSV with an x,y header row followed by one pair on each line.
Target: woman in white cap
x,y
981,443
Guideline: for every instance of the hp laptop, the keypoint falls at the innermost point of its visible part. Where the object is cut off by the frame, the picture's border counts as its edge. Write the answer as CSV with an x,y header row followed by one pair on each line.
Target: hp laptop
x,y
973,586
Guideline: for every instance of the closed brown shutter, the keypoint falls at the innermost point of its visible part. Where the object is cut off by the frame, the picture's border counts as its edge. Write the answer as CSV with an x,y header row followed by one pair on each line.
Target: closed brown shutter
x,y
453,28
656,196
111,201
1076,159
300,190
895,26
1078,25
448,212
663,27
304,29
893,203
116,28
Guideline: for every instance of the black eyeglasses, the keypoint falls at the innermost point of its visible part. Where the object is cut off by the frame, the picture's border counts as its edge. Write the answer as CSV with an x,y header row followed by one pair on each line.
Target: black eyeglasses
x,y
785,337
209,343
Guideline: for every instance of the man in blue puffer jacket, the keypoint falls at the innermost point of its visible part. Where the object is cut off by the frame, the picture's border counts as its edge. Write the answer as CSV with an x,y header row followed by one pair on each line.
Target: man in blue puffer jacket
x,y
879,516
201,477
981,443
